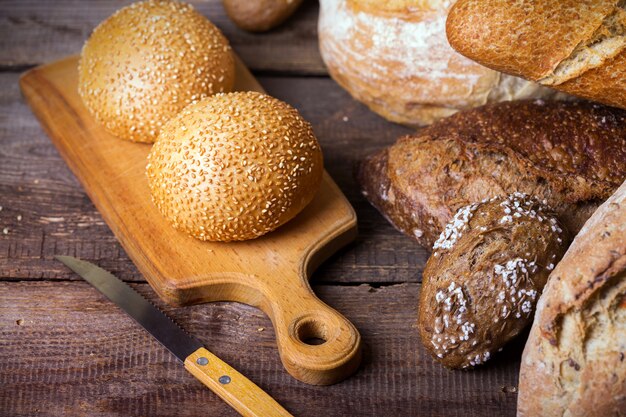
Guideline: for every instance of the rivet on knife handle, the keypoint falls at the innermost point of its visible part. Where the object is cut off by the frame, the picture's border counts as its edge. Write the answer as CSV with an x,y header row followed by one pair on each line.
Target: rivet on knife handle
x,y
234,388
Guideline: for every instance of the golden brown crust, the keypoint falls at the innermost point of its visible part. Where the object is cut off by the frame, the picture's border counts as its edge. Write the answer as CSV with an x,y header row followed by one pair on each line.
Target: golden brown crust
x,y
234,166
570,154
605,84
524,38
259,15
574,361
401,9
395,58
575,46
146,62
482,281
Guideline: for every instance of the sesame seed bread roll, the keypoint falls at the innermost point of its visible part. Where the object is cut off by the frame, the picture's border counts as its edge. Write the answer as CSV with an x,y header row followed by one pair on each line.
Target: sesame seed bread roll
x,y
234,167
146,62
482,282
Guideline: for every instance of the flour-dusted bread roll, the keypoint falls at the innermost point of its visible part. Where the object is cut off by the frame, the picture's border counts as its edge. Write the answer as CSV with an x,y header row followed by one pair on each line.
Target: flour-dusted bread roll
x,y
234,166
574,363
570,154
394,57
576,46
146,62
484,277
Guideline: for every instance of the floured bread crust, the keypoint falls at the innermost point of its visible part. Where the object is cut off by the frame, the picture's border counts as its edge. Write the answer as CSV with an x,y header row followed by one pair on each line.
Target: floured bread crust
x,y
574,362
395,58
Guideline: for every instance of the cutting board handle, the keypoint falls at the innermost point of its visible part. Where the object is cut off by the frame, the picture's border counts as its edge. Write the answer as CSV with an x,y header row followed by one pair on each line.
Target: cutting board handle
x,y
317,344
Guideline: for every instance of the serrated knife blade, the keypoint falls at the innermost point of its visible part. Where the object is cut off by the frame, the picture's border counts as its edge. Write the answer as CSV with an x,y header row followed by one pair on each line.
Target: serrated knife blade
x,y
234,388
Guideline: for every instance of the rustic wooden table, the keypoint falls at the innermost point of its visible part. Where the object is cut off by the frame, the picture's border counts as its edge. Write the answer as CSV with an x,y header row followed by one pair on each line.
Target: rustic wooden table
x,y
66,350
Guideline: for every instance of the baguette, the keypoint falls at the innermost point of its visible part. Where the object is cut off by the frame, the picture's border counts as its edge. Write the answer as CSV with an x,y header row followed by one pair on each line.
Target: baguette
x,y
569,154
576,46
574,361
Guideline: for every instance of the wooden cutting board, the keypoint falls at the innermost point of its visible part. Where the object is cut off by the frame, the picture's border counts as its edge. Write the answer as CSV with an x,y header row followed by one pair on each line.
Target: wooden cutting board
x,y
270,272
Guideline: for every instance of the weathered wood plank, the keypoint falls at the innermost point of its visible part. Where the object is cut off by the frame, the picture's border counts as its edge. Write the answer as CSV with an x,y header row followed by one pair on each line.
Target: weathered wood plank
x,y
33,32
58,218
66,350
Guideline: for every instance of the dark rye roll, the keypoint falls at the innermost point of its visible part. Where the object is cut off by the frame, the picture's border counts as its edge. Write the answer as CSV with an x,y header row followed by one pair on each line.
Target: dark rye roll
x,y
485,275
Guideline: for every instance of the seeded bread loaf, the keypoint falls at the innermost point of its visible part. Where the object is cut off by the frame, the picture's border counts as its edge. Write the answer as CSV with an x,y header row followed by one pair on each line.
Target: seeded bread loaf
x,y
486,271
570,154
574,363
576,46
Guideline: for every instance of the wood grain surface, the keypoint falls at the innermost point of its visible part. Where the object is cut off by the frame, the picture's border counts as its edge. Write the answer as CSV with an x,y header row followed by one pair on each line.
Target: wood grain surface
x,y
65,350
38,31
74,353
271,272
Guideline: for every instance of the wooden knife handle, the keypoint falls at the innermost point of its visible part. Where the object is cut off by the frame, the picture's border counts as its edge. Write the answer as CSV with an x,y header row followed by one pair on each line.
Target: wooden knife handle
x,y
238,391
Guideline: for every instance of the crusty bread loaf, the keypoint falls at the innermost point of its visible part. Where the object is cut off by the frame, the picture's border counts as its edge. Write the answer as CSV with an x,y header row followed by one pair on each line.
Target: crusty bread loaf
x,y
234,166
259,15
487,270
570,154
147,61
576,46
394,57
574,363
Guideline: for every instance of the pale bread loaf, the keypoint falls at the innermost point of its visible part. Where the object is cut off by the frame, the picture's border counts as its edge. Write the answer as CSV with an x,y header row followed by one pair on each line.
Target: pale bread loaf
x,y
574,362
394,57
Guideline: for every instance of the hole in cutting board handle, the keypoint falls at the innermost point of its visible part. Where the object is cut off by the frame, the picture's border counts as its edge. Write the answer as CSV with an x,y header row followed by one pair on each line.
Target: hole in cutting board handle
x,y
311,332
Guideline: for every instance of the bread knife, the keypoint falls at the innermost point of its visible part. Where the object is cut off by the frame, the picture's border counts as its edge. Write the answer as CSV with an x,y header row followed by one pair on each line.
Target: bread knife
x,y
238,391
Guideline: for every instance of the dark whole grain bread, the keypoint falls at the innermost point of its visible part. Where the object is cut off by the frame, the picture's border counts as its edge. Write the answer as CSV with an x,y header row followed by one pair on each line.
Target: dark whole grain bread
x,y
570,154
481,284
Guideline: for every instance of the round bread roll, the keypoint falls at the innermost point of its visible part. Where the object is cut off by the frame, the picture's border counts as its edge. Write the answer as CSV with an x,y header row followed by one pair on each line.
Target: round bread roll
x,y
259,15
394,57
482,282
146,62
234,166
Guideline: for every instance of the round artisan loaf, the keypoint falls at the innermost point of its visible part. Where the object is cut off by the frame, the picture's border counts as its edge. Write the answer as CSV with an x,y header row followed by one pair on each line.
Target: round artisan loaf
x,y
146,62
487,270
394,57
234,166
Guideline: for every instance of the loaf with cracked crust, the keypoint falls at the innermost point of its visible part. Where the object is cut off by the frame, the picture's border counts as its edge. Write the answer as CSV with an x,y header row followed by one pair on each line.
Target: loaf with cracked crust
x,y
394,57
486,272
574,363
570,154
576,46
